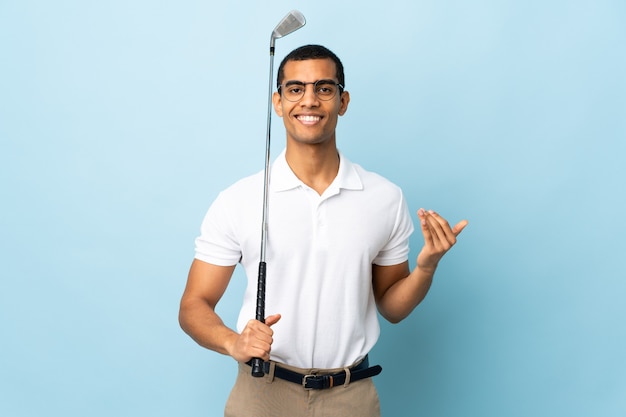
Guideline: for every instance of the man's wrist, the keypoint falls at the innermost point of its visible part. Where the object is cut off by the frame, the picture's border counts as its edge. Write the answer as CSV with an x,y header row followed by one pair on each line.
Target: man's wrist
x,y
427,270
230,339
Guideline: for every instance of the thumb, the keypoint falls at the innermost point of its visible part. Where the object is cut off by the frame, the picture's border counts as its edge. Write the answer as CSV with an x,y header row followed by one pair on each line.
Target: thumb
x,y
458,228
273,319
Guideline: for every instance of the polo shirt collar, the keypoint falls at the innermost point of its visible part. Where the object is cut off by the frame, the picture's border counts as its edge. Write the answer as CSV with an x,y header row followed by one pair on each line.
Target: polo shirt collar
x,y
283,178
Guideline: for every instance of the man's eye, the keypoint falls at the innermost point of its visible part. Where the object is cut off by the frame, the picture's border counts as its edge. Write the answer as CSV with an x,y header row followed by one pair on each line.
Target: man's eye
x,y
294,90
325,89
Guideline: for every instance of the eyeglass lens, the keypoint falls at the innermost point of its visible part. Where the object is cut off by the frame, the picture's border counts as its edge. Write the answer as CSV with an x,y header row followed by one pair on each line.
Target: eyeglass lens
x,y
324,89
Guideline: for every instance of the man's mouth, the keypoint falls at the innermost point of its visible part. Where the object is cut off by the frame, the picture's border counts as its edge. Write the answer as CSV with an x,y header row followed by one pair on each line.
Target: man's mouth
x,y
308,119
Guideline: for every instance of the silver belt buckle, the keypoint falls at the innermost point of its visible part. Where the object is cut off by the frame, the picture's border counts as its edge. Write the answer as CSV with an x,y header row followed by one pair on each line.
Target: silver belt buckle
x,y
304,382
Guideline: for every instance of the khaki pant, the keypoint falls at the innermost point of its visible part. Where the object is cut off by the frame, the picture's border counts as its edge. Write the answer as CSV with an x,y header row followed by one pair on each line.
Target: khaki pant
x,y
274,397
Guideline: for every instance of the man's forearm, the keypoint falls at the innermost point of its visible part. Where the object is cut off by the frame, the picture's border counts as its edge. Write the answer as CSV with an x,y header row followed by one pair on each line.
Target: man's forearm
x,y
204,326
406,294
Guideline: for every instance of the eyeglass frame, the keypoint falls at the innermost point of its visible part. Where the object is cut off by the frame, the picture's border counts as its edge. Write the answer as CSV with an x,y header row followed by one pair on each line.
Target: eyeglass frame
x,y
314,83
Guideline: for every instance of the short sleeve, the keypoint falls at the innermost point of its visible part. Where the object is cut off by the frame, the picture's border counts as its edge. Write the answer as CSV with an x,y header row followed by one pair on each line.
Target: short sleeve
x,y
217,243
396,250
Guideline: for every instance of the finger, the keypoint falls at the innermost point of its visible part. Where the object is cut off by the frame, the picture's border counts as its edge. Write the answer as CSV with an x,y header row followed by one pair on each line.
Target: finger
x,y
426,232
443,237
458,228
451,233
260,343
257,328
273,319
252,344
260,350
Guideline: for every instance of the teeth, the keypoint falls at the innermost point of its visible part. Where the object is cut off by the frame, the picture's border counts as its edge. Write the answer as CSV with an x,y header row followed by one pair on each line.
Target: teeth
x,y
309,118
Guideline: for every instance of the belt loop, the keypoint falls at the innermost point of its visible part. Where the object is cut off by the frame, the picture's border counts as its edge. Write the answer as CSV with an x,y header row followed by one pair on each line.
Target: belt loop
x,y
270,374
345,384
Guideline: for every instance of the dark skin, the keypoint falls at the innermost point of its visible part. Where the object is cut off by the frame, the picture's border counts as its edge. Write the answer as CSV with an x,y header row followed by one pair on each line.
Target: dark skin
x,y
313,157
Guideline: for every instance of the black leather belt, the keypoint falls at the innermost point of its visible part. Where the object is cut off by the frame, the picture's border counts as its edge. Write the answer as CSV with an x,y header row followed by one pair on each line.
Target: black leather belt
x,y
360,371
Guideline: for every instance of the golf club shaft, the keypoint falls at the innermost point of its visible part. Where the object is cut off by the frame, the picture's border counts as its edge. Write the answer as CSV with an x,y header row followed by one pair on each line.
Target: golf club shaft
x,y
293,21
257,363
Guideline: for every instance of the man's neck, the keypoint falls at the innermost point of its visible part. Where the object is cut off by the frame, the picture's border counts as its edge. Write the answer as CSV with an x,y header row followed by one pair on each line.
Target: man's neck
x,y
315,165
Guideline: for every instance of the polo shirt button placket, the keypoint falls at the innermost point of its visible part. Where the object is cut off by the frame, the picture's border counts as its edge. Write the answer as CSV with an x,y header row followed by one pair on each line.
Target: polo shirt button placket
x,y
321,220
321,225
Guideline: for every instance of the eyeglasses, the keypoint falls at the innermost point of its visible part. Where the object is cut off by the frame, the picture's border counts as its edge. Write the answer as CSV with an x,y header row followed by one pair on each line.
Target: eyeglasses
x,y
324,89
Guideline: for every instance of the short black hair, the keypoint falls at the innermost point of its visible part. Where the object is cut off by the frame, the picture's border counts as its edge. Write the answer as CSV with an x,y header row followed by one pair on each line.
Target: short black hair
x,y
306,52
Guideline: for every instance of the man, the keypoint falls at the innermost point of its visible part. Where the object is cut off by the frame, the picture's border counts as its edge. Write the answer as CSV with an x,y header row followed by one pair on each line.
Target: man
x,y
337,252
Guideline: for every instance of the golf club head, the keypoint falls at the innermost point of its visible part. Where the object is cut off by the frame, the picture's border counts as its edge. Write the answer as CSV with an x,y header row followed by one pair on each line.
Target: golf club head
x,y
290,23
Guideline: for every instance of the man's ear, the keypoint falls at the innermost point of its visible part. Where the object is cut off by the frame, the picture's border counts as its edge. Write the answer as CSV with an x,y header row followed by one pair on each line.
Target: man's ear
x,y
278,108
343,103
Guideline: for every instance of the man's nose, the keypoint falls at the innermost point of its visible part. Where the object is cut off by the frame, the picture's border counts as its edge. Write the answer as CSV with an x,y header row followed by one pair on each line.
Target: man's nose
x,y
309,98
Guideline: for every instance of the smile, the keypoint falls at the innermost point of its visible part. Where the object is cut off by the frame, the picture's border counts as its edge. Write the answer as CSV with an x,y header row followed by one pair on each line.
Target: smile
x,y
308,119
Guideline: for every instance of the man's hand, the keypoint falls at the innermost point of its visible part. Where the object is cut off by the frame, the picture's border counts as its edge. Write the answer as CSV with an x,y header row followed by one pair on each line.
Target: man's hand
x,y
255,341
438,239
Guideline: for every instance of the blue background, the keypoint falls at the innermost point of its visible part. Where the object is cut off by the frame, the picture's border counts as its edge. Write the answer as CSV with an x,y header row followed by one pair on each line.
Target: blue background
x,y
120,121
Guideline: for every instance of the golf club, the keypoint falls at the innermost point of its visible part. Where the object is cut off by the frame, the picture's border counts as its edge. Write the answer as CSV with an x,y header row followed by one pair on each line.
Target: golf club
x,y
290,23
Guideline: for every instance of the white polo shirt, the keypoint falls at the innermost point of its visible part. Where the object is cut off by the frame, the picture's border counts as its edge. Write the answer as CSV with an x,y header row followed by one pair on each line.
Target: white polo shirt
x,y
319,256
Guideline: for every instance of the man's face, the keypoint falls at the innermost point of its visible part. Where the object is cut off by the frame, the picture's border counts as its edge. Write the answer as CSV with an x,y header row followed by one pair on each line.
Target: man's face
x,y
310,120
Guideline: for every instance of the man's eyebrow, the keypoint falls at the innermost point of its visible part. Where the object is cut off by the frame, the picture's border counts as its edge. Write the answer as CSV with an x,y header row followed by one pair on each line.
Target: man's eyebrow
x,y
298,82
293,82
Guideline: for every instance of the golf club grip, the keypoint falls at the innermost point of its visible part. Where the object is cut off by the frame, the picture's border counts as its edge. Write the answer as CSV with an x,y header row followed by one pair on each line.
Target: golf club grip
x,y
257,367
257,363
